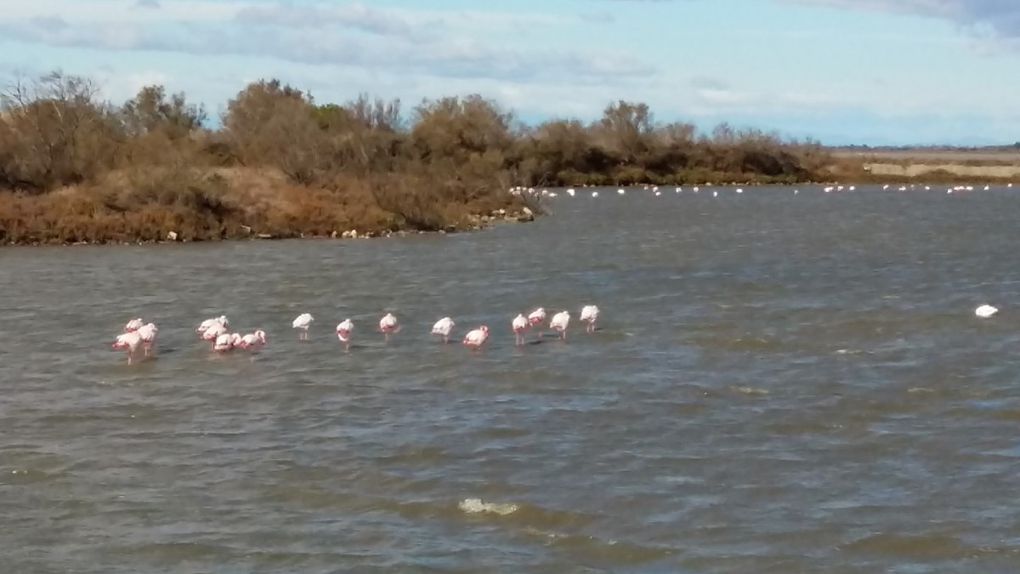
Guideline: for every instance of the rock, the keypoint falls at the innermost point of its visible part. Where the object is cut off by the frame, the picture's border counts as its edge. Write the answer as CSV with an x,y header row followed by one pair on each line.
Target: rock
x,y
171,236
247,229
333,235
264,236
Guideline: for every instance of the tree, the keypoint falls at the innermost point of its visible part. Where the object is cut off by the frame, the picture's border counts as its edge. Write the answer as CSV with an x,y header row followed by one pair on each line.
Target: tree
x,y
269,123
458,128
152,111
626,130
56,132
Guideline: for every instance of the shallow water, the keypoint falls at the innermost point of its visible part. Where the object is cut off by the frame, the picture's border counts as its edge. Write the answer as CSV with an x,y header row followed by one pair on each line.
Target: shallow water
x,y
779,384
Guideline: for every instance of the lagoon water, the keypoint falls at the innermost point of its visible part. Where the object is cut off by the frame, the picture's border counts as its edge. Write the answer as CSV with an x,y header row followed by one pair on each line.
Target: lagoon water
x,y
780,384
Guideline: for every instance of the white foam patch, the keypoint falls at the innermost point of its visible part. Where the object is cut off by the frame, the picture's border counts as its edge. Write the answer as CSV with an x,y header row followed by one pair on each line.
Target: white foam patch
x,y
475,506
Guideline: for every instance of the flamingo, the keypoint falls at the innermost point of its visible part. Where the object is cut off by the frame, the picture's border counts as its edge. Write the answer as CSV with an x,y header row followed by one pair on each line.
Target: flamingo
x,y
476,338
343,332
590,314
571,192
559,323
985,311
388,324
128,342
133,325
519,325
443,328
221,320
621,191
214,332
303,322
253,340
537,318
226,341
147,333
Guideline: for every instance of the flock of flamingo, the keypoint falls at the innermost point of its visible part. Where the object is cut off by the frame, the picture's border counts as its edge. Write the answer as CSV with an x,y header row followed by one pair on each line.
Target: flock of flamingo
x,y
141,336
519,191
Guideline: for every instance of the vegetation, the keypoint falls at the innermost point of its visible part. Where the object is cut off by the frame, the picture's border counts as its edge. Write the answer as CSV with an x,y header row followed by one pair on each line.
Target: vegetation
x,y
74,168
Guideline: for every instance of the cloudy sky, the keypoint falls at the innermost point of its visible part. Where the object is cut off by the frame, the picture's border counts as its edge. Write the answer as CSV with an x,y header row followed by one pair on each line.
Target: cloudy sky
x,y
842,71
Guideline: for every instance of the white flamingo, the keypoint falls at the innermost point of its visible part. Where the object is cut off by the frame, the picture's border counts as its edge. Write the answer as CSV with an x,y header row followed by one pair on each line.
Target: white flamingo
x,y
985,311
147,333
443,328
303,322
476,337
590,314
559,323
519,326
388,324
253,340
343,332
128,342
221,321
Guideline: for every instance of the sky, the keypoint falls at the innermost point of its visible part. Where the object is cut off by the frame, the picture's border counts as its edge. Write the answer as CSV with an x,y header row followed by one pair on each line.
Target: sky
x,y
874,72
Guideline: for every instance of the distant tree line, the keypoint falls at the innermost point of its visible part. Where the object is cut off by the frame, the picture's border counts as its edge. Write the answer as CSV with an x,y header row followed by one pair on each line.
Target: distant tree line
x,y
76,168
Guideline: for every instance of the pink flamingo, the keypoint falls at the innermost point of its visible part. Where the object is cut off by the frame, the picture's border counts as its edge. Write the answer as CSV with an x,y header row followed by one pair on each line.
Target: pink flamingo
x,y
128,342
443,328
476,338
559,323
303,322
226,342
148,332
537,319
343,332
519,326
221,320
213,333
133,325
253,340
590,314
388,324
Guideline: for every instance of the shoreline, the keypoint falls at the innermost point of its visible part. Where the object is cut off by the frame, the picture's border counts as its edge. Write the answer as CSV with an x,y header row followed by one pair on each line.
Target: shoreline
x,y
481,222
477,223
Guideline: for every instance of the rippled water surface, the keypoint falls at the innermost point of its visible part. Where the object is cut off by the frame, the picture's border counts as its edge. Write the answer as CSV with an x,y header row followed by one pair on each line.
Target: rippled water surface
x,y
779,384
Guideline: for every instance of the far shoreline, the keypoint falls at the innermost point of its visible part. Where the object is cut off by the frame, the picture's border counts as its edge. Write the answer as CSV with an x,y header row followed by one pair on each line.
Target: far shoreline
x,y
503,216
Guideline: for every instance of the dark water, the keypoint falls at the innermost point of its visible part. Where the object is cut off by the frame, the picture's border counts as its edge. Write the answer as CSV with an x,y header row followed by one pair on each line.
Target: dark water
x,y
781,384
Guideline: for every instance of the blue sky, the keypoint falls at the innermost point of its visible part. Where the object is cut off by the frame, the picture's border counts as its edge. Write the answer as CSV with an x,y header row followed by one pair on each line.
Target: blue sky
x,y
842,71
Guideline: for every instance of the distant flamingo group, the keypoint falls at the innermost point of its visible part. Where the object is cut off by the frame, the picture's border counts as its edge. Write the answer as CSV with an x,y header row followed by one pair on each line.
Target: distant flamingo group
x,y
520,191
141,335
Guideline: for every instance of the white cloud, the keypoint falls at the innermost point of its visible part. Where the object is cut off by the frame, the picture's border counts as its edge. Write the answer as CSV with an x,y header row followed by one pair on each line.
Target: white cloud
x,y
453,44
1000,17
